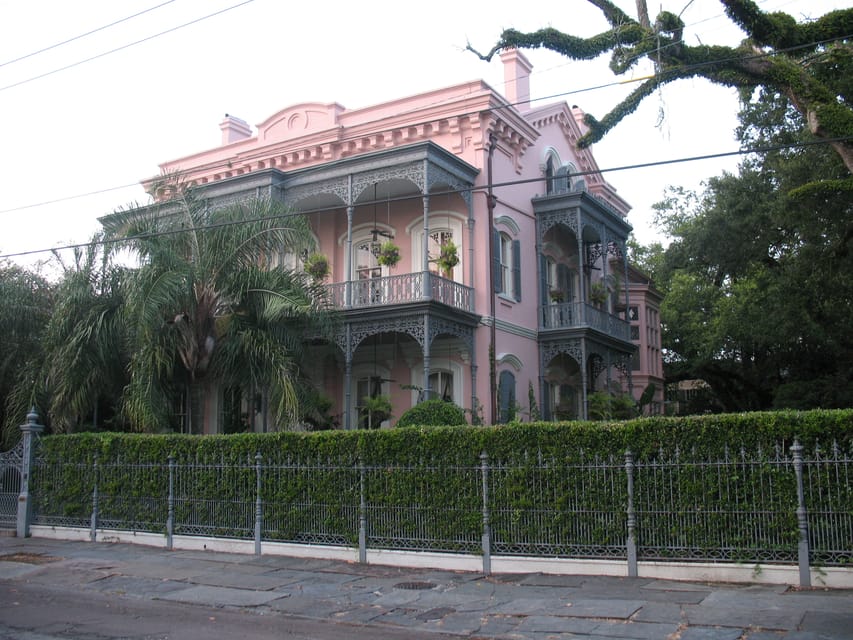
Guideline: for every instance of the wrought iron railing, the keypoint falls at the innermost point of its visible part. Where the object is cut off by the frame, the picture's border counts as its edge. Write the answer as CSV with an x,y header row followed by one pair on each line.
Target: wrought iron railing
x,y
753,507
400,289
566,315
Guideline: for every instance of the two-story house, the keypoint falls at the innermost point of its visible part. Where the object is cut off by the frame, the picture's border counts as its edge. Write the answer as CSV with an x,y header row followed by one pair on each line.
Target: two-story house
x,y
505,287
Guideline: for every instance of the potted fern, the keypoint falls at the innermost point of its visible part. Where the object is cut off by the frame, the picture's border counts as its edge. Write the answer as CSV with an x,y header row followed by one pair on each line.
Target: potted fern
x,y
389,254
317,266
448,257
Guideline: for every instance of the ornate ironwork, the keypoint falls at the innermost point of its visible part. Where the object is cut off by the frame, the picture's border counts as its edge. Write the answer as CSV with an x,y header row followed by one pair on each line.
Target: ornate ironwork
x,y
338,186
565,218
572,348
413,172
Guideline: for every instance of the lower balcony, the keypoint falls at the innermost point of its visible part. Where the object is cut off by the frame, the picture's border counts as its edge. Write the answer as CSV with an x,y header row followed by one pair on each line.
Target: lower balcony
x,y
401,289
569,315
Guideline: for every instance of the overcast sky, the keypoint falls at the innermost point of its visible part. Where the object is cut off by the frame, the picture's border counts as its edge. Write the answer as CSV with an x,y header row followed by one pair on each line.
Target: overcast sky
x,y
108,121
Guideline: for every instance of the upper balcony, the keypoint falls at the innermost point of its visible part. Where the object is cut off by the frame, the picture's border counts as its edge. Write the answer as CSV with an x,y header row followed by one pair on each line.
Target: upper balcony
x,y
580,315
401,289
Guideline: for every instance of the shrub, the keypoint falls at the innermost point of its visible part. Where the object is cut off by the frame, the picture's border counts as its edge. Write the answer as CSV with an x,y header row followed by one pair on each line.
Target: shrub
x,y
433,413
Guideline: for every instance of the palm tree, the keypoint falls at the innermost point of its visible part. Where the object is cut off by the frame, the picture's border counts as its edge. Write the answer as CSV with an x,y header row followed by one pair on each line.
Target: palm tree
x,y
76,376
26,299
208,310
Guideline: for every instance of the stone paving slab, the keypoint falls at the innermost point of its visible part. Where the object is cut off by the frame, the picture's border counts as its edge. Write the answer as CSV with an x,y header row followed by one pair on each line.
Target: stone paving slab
x,y
712,633
658,612
12,570
620,609
775,619
137,587
556,624
221,596
635,630
829,624
241,580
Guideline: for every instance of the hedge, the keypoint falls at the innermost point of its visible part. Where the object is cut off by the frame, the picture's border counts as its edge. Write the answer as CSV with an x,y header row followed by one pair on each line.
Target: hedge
x,y
557,488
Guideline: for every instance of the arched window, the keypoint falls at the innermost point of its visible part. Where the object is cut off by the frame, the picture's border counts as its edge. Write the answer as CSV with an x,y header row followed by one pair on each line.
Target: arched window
x,y
549,175
506,397
507,266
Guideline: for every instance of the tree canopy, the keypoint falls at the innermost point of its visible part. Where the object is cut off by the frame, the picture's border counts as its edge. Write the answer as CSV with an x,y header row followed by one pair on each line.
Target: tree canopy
x,y
810,63
757,277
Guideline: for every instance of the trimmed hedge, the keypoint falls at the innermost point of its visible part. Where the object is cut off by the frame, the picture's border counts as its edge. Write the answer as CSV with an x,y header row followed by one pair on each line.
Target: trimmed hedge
x,y
707,436
557,488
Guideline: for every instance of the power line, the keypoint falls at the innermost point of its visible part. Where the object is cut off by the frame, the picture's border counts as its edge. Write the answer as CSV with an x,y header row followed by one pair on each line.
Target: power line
x,y
83,35
125,46
67,198
644,165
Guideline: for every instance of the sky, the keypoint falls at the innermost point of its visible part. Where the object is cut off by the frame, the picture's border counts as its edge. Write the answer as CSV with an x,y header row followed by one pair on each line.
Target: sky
x,y
85,121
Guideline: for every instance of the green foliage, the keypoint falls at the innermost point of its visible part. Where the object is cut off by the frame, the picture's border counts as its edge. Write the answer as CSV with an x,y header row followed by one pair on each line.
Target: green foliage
x,y
756,276
435,412
427,481
808,61
203,312
605,406
26,301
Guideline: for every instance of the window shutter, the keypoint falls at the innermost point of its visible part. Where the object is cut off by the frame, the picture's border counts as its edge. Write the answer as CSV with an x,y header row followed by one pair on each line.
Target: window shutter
x,y
544,293
496,260
516,269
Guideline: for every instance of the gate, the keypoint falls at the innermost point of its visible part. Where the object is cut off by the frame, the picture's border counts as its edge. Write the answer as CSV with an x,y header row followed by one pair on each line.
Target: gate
x,y
11,465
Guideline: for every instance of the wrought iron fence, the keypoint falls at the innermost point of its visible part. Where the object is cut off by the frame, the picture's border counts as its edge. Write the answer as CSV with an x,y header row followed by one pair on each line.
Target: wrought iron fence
x,y
754,507
10,484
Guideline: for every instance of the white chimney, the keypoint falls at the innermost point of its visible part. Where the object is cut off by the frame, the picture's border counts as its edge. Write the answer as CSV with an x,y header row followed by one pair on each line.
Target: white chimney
x,y
234,129
517,70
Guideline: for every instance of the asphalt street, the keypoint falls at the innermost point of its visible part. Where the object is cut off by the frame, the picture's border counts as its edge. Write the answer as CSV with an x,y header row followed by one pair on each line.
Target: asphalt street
x,y
51,590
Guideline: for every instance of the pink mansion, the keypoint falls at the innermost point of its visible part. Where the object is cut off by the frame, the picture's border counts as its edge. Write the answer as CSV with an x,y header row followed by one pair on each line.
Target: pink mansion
x,y
535,303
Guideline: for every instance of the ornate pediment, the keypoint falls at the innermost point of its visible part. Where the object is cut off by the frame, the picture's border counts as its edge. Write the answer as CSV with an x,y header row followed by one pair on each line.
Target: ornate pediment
x,y
299,120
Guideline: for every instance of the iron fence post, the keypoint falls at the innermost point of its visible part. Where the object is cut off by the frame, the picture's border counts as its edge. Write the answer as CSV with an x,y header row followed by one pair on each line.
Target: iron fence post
x,y
30,431
362,515
170,514
93,522
802,517
259,506
632,518
487,527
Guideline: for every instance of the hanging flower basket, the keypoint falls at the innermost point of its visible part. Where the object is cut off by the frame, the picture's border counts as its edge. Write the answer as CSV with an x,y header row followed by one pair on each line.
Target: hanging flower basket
x,y
317,266
448,257
557,295
389,254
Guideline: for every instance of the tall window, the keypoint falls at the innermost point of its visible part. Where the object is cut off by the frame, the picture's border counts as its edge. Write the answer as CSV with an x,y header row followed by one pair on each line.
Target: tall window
x,y
549,175
507,264
437,239
370,415
506,397
368,271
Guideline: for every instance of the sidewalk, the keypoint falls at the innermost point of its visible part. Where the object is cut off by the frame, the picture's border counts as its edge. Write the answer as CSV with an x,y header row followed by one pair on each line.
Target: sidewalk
x,y
533,606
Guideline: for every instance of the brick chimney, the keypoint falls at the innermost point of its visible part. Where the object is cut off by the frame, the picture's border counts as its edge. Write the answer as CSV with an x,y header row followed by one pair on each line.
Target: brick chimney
x,y
234,129
517,70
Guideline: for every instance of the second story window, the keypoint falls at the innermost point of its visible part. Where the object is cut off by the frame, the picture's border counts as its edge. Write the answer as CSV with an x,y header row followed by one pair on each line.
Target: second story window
x,y
507,265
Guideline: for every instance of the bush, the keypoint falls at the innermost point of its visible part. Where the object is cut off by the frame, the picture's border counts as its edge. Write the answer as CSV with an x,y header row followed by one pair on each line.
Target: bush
x,y
433,413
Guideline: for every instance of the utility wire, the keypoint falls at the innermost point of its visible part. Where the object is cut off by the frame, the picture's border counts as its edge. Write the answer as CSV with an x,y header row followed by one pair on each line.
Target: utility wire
x,y
644,165
125,46
83,35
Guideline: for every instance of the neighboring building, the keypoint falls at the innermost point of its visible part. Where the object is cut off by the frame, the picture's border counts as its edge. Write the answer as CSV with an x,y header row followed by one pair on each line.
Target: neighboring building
x,y
533,302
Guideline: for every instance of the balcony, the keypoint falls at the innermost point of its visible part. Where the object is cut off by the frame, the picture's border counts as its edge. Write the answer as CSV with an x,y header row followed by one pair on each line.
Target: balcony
x,y
569,315
402,289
